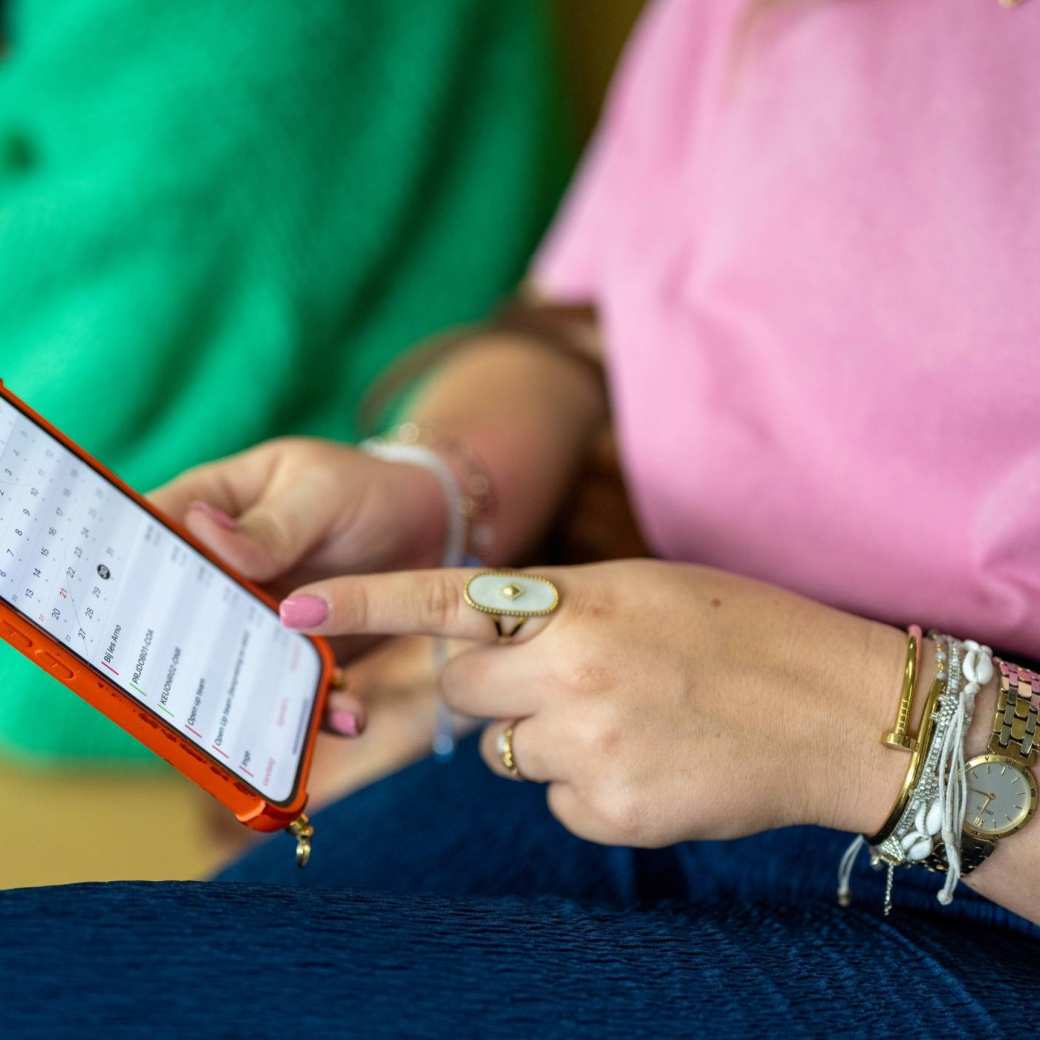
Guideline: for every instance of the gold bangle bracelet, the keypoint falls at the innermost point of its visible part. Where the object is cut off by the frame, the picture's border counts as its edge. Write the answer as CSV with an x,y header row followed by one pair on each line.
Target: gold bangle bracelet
x,y
917,757
900,737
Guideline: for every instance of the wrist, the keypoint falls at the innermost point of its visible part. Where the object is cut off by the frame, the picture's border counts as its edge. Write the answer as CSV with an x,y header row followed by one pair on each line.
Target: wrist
x,y
858,778
531,453
419,504
432,530
466,489
465,494
875,773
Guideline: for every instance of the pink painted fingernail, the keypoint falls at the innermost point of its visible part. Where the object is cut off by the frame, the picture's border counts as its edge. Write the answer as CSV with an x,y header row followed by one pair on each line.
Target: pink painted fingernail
x,y
303,611
345,723
218,516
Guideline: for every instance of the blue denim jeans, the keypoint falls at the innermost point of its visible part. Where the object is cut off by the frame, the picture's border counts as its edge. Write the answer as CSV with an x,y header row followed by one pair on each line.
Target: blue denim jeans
x,y
446,901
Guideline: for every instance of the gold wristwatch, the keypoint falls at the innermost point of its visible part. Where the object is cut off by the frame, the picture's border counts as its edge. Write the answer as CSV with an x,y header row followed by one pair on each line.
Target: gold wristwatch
x,y
1002,789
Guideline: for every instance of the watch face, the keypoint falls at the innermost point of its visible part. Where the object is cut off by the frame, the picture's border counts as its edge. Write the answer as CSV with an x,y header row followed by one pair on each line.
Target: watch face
x,y
1001,796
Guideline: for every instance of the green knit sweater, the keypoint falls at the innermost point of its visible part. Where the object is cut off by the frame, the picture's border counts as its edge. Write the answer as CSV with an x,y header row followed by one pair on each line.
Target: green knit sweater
x,y
220,221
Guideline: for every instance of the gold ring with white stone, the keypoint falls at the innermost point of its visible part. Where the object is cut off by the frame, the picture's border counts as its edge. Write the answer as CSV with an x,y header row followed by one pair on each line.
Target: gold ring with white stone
x,y
511,594
505,752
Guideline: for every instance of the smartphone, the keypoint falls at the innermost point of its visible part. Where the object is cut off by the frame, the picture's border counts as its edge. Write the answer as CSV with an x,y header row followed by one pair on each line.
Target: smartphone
x,y
128,611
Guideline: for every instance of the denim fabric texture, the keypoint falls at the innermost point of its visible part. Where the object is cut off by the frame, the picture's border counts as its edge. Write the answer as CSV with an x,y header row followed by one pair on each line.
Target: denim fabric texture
x,y
446,901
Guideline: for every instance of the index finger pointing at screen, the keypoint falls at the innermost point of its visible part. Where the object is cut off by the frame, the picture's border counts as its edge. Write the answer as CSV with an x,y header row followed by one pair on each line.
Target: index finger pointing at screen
x,y
457,604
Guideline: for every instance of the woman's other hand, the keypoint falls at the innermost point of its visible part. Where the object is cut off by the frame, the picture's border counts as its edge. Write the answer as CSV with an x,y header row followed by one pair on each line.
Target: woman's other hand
x,y
660,702
294,510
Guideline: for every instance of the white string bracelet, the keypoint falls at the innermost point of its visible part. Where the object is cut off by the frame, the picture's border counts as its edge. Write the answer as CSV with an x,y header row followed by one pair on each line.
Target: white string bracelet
x,y
454,554
976,670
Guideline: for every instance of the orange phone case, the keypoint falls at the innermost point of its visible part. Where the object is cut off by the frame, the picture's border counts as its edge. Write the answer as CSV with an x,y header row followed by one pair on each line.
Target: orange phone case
x,y
149,728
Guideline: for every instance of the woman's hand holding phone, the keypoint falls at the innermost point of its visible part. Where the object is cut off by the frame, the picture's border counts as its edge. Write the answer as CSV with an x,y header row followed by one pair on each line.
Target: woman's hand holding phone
x,y
297,510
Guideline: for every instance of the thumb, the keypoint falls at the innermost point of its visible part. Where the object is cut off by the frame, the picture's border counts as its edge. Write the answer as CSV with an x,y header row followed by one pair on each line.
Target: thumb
x,y
270,537
345,714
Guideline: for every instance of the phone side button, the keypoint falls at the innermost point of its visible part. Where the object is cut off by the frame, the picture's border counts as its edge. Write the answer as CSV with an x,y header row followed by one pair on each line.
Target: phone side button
x,y
55,667
14,637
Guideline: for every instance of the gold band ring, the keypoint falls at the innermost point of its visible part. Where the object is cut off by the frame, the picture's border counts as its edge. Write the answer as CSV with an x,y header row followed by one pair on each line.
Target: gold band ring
x,y
505,752
511,594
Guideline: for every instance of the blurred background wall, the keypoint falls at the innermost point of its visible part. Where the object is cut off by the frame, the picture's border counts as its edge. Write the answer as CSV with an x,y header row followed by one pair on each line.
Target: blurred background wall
x,y
592,33
74,824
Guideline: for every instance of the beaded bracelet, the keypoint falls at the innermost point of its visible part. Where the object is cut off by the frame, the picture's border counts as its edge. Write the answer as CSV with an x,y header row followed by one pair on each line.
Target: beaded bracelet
x,y
910,839
916,767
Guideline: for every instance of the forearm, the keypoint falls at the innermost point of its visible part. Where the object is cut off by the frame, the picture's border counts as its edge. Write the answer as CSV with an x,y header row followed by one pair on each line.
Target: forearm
x,y
528,414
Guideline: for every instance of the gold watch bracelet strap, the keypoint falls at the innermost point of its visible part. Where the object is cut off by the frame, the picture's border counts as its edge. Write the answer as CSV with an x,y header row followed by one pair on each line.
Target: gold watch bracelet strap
x,y
1016,722
1015,734
974,852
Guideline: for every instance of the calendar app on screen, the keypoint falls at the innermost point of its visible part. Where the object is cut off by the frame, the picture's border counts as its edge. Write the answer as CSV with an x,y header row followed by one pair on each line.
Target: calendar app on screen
x,y
101,575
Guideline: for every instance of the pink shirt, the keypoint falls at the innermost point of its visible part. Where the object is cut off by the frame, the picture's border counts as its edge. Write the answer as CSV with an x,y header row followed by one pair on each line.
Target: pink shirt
x,y
817,261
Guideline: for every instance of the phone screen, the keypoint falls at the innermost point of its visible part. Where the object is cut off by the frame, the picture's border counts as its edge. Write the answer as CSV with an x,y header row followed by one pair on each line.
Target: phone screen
x,y
85,563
